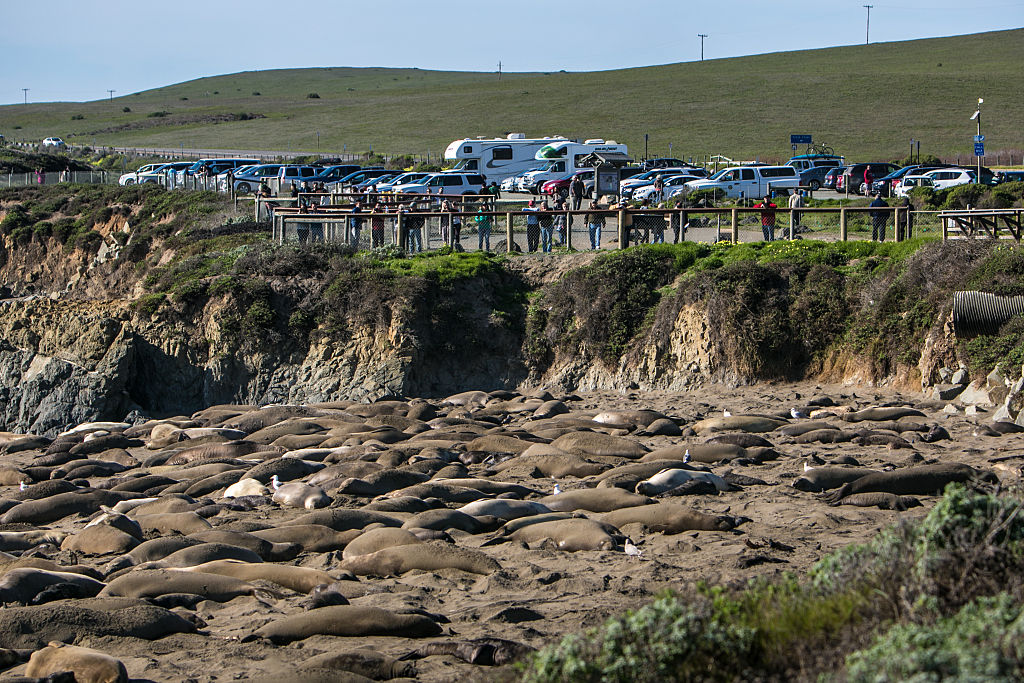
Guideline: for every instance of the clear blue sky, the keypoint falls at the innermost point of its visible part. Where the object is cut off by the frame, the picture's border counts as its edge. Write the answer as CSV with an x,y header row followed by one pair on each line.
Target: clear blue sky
x,y
75,50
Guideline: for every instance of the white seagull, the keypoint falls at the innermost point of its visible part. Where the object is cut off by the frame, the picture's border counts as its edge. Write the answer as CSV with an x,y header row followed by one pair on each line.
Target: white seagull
x,y
686,456
275,483
631,550
726,413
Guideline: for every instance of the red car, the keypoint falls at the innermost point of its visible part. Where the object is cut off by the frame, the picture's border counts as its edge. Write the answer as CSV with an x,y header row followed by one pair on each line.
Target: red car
x,y
560,187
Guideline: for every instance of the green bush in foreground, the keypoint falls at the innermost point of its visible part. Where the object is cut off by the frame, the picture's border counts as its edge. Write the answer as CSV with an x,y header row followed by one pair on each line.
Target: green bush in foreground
x,y
926,587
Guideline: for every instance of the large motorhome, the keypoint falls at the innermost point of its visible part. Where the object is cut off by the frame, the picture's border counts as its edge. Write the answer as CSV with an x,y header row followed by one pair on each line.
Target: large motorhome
x,y
565,158
497,158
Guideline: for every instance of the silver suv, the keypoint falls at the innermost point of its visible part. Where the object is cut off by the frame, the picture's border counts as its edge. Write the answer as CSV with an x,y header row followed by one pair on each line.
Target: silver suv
x,y
447,182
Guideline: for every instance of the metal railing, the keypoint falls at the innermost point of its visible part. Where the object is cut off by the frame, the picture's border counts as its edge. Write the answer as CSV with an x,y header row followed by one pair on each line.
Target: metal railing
x,y
34,178
504,231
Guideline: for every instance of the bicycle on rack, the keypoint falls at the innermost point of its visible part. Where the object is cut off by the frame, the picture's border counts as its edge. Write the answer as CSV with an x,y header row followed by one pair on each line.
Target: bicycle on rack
x,y
822,149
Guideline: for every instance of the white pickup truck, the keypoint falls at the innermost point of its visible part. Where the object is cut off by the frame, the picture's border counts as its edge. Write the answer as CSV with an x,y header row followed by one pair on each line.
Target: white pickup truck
x,y
750,181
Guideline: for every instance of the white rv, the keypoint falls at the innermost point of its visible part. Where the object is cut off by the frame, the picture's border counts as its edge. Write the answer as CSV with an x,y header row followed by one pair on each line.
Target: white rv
x,y
564,158
497,158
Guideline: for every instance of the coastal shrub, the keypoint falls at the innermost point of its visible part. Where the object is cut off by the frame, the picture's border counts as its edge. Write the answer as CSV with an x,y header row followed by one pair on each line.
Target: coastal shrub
x,y
313,96
1006,347
962,196
147,304
984,641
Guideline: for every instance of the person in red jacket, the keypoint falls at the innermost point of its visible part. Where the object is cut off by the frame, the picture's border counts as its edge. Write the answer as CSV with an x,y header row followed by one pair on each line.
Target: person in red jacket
x,y
767,217
868,179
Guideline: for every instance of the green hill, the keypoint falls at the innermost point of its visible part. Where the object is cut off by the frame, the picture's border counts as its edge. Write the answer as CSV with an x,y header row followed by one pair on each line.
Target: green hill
x,y
865,101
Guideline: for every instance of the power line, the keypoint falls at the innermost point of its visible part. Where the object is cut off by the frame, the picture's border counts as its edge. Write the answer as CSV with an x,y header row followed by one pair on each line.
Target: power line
x,y
111,94
25,91
702,36
867,29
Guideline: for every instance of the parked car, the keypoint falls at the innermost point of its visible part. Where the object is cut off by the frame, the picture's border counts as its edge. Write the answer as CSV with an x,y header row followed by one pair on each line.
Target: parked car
x,y
1009,176
248,180
133,176
331,174
373,184
886,184
446,182
750,181
161,172
362,174
629,185
673,184
53,142
401,179
289,175
813,167
832,177
908,183
559,187
945,178
853,176
663,162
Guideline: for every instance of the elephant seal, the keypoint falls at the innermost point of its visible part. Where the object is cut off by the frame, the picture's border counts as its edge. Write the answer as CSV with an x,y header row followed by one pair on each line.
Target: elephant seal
x,y
267,550
23,584
314,538
208,552
88,665
369,663
706,453
596,443
479,651
426,556
498,443
738,423
299,495
634,418
377,539
593,500
33,627
380,482
668,479
152,583
880,414
570,535
23,540
173,522
246,487
100,540
503,508
819,479
348,620
917,480
61,505
883,501
552,462
829,435
669,518
744,439
890,440
343,519
803,427
325,595
298,579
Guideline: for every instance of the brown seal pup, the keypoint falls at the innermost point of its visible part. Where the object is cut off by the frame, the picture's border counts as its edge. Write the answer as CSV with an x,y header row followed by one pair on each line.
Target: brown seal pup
x,y
88,665
348,620
883,501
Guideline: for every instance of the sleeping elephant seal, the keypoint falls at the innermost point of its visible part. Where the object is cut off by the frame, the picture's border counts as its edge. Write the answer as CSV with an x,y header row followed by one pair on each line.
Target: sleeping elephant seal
x,y
669,518
738,423
313,538
882,501
880,414
426,556
299,495
369,663
88,665
152,583
593,500
348,620
570,535
668,479
377,539
298,579
701,452
819,479
23,584
596,443
923,480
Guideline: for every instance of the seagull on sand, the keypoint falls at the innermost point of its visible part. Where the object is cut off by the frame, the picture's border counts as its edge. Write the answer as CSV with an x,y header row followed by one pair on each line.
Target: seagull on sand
x,y
726,413
275,483
631,549
797,414
556,490
22,485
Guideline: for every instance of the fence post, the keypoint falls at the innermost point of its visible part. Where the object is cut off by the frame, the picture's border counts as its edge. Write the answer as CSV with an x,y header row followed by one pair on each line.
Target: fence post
x,y
735,216
945,228
623,230
842,224
508,232
568,230
403,232
896,224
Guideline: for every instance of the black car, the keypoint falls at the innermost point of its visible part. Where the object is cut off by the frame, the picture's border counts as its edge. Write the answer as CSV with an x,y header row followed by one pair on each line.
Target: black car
x,y
853,176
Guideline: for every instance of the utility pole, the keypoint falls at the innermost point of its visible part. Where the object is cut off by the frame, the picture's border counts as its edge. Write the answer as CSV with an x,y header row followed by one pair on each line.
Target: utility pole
x,y
867,29
111,94
25,91
702,36
978,140
499,70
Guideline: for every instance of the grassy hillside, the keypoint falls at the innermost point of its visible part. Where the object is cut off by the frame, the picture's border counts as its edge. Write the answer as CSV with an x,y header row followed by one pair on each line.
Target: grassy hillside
x,y
866,101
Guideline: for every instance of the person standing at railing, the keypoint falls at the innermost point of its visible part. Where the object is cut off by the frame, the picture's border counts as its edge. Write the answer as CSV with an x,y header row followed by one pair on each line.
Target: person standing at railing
x,y
905,224
355,224
494,190
796,201
415,232
377,226
576,190
559,222
594,221
547,222
878,218
483,227
767,207
532,227
40,176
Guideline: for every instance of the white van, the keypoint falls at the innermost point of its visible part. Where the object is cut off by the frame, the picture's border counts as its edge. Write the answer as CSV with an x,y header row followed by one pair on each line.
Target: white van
x,y
497,158
750,181
565,158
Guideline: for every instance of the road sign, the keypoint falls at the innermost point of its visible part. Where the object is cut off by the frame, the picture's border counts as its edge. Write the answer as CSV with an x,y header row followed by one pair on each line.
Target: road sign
x,y
799,139
979,138
979,149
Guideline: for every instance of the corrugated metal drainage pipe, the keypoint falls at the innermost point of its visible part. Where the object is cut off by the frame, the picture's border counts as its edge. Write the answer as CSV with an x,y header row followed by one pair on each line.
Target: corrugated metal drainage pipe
x,y
976,312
